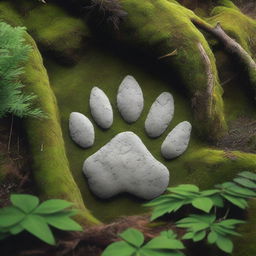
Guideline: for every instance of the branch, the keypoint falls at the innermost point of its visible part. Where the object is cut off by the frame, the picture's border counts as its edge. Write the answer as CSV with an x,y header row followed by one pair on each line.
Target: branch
x,y
229,43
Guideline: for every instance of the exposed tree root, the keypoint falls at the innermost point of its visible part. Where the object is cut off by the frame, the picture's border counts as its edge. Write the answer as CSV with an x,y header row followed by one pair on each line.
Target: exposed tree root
x,y
232,47
91,242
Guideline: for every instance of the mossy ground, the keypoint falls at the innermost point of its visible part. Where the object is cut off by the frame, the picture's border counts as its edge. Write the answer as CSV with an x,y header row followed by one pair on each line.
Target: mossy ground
x,y
99,67
55,31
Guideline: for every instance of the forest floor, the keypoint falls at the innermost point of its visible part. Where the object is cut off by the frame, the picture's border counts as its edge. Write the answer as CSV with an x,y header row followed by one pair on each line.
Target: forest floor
x,y
14,157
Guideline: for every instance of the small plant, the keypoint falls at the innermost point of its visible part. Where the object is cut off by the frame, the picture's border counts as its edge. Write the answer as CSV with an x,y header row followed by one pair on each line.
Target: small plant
x,y
14,52
27,214
132,244
217,231
235,192
198,226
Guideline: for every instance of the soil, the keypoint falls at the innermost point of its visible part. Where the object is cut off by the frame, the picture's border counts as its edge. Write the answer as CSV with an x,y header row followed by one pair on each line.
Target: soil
x,y
14,159
241,136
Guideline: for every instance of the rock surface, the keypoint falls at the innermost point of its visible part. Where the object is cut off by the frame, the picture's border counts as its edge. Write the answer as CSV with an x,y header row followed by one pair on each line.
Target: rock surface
x,y
125,165
81,130
176,141
101,108
130,101
160,115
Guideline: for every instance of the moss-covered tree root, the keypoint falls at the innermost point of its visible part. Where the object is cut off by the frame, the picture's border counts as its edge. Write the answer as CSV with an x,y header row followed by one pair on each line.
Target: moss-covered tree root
x,y
50,165
159,27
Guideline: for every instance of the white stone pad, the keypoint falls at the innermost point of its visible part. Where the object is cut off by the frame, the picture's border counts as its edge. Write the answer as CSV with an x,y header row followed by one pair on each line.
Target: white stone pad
x,y
81,130
160,115
176,141
101,108
125,165
130,101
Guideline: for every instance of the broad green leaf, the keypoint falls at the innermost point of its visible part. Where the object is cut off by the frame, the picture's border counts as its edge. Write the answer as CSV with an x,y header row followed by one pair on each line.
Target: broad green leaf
x,y
177,197
207,218
132,236
175,207
194,227
187,220
189,187
199,236
119,248
194,219
203,203
10,216
25,202
37,226
218,229
224,230
185,190
52,206
159,211
241,203
159,200
163,243
225,185
235,194
16,229
248,175
241,190
217,200
63,223
169,234
231,222
209,192
245,182
212,237
165,208
188,235
225,244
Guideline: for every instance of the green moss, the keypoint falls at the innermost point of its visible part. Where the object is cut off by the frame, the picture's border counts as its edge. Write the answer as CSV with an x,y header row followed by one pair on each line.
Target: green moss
x,y
237,94
159,27
242,29
202,13
9,15
237,25
56,31
245,245
228,4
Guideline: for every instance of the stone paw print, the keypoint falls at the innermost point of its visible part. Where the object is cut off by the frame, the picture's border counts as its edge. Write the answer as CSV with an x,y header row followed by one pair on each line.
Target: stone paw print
x,y
124,164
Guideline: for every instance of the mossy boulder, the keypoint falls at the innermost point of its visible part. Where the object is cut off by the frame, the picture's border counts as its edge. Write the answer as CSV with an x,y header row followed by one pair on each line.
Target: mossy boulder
x,y
57,32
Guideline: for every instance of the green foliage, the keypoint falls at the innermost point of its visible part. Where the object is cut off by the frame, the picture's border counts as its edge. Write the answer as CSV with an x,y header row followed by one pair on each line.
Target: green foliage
x,y
217,231
234,192
200,226
14,52
132,244
26,213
